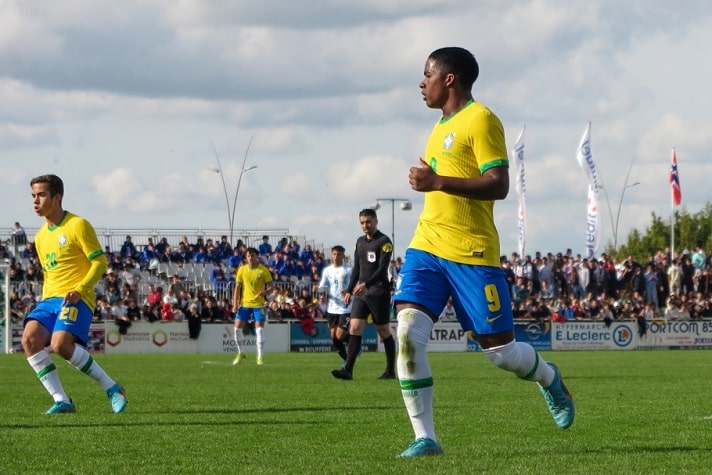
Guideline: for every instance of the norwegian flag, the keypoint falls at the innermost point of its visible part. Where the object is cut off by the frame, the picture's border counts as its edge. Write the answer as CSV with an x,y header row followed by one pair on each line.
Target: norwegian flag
x,y
675,181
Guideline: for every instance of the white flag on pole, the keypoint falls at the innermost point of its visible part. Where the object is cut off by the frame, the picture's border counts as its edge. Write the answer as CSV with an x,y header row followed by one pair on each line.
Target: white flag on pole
x,y
518,152
585,160
592,222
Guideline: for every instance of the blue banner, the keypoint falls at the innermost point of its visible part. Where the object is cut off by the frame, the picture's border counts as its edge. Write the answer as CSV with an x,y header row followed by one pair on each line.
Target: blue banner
x,y
536,334
319,339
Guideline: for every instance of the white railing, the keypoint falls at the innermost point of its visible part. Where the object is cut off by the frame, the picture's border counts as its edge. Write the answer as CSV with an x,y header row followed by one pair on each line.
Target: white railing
x,y
115,237
5,318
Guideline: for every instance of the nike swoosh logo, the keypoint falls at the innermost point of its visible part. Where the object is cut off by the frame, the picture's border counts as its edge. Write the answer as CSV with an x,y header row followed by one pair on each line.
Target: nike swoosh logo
x,y
492,319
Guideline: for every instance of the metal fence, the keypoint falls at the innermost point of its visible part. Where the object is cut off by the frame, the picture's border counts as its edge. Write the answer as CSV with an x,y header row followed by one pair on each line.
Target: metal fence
x,y
115,237
5,319
197,287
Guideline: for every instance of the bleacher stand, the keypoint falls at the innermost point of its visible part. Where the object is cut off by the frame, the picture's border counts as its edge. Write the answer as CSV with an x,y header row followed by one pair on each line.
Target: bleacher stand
x,y
133,257
199,265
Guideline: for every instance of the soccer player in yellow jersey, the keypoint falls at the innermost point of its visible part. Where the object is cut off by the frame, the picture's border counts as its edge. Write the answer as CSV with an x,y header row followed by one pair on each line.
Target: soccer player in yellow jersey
x,y
72,261
455,249
253,281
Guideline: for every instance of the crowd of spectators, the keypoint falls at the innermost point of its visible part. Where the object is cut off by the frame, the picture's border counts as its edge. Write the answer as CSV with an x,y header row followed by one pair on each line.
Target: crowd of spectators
x,y
286,258
558,287
565,287
136,288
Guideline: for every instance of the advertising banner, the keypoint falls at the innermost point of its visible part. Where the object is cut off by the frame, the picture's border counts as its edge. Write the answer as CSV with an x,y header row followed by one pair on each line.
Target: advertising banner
x,y
472,344
173,337
319,340
144,337
445,336
581,335
16,339
666,334
95,343
537,334
219,338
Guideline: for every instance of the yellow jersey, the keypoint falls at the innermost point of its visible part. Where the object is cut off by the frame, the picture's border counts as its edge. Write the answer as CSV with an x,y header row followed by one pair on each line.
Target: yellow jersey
x,y
65,252
252,281
456,228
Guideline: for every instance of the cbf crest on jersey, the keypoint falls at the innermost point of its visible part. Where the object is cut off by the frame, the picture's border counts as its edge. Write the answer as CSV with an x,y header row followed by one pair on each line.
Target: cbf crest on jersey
x,y
371,256
62,241
449,141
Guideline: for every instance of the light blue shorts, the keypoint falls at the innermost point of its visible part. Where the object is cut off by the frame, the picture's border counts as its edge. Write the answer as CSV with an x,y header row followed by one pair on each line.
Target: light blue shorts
x,y
245,313
480,294
75,319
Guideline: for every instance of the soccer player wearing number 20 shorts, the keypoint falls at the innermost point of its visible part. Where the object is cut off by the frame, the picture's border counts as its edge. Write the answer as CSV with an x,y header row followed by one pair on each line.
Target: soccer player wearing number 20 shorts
x,y
73,262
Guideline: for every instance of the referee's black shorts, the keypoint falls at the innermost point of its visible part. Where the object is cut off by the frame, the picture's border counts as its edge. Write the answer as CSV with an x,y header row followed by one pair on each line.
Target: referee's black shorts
x,y
376,302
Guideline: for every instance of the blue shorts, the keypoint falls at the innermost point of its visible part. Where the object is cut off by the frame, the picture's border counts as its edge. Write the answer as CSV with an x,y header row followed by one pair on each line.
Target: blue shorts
x,y
75,319
480,294
245,313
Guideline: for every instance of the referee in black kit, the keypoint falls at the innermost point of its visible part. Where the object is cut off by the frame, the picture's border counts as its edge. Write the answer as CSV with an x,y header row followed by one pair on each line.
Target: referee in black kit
x,y
369,292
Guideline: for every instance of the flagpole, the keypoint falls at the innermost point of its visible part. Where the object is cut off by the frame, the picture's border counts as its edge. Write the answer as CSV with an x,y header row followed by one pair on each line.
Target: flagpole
x,y
584,156
518,152
672,219
672,233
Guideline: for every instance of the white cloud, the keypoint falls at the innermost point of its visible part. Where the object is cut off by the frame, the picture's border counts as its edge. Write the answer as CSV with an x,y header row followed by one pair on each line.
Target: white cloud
x,y
120,189
368,177
124,99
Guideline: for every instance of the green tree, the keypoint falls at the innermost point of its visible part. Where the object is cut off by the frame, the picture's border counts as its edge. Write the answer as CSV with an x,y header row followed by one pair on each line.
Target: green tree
x,y
690,230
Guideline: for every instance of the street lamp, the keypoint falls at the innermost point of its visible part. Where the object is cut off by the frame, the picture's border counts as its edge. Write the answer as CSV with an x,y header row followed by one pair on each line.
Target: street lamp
x,y
405,205
232,210
618,213
626,185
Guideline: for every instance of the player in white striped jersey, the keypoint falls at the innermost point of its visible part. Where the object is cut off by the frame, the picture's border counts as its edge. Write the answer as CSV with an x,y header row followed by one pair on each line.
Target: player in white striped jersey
x,y
334,281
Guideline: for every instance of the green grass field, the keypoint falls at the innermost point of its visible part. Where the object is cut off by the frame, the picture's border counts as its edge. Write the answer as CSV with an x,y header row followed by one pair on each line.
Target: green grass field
x,y
637,412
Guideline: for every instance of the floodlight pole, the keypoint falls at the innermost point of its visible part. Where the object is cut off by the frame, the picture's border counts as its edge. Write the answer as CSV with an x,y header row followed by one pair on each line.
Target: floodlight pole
x,y
406,205
231,211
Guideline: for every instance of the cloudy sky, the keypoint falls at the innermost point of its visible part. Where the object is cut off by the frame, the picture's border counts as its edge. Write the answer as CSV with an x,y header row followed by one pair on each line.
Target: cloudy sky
x,y
125,100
